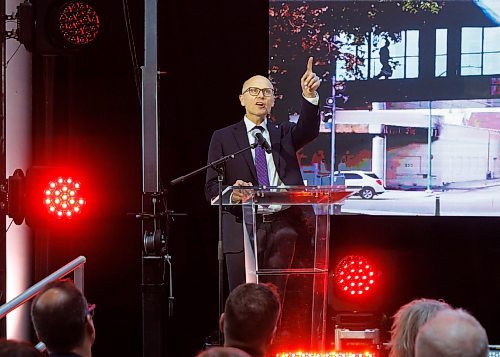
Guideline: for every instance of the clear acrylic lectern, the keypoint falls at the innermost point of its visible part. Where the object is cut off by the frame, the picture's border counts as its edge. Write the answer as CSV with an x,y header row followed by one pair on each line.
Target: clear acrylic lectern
x,y
303,280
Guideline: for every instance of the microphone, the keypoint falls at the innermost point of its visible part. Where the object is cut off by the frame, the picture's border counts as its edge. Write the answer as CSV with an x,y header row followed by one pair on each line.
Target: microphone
x,y
261,140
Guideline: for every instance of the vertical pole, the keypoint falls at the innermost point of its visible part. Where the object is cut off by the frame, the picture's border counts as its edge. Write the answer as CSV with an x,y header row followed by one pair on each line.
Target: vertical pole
x,y
437,210
332,135
378,156
78,277
488,172
152,262
150,143
3,159
429,150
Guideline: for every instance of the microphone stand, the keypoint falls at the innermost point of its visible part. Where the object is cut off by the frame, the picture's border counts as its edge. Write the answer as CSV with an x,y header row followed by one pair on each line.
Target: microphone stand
x,y
217,165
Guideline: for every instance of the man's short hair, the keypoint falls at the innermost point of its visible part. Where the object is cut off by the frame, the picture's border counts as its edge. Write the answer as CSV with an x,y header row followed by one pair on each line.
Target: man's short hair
x,y
251,312
61,324
451,333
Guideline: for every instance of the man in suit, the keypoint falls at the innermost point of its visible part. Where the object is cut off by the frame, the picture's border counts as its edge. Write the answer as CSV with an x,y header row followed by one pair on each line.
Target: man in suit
x,y
277,231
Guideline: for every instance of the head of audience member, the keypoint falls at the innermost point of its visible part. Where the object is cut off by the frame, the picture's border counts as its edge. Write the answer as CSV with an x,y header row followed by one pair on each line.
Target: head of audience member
x,y
223,352
62,319
13,348
452,333
406,322
250,318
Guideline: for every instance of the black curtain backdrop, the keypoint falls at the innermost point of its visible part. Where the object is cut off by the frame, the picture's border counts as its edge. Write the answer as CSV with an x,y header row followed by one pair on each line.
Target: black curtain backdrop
x,y
207,50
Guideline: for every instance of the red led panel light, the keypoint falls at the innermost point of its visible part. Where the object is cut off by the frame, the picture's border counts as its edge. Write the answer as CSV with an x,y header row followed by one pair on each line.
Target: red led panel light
x,y
62,198
355,276
78,23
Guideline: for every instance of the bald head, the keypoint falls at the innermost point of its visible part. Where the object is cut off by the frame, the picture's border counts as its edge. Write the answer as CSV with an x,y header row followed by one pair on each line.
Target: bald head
x,y
257,96
257,81
52,298
60,316
452,333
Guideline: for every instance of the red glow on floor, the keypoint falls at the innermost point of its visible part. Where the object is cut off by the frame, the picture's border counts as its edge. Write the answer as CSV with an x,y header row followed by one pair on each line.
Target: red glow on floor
x,y
325,354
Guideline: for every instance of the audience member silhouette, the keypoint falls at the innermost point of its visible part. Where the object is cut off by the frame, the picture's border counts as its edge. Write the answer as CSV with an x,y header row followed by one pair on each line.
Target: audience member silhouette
x,y
63,320
13,348
250,318
406,322
452,333
223,352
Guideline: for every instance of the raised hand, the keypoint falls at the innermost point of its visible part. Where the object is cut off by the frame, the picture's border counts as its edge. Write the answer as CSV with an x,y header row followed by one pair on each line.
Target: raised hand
x,y
310,81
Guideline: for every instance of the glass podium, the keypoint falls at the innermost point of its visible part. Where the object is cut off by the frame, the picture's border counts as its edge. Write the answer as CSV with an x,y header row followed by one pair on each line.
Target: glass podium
x,y
295,260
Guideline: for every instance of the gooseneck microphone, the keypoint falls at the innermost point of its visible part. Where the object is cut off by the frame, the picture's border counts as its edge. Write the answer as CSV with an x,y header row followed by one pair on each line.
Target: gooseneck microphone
x,y
261,140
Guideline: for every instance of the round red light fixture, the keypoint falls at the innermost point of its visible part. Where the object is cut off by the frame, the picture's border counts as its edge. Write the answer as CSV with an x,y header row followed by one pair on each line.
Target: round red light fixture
x,y
62,198
78,23
355,276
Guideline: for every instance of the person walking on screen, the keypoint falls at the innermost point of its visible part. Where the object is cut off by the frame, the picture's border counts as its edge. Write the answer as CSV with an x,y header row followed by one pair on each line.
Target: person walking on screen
x,y
385,56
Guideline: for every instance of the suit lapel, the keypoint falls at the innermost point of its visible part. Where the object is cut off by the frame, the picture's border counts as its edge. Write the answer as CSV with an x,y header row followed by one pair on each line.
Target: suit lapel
x,y
240,134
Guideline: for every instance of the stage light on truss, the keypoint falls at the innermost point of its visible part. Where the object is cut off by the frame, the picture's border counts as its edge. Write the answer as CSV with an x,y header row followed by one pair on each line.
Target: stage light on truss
x,y
58,27
357,292
45,195
355,277
77,23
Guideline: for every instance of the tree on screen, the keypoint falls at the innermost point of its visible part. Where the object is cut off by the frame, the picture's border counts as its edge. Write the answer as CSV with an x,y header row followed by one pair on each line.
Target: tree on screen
x,y
298,30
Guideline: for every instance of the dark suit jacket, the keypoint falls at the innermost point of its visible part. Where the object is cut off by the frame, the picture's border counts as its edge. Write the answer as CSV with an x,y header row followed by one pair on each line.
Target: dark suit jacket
x,y
286,139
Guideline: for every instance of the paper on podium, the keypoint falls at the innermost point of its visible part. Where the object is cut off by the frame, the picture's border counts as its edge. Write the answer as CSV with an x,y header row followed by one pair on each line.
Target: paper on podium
x,y
226,197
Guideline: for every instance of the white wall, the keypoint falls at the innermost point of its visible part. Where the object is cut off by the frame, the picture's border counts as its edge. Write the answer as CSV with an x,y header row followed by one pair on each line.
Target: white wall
x,y
18,149
460,154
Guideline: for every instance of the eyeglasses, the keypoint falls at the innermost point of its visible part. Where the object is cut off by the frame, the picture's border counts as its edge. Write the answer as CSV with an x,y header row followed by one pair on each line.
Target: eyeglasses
x,y
254,91
91,310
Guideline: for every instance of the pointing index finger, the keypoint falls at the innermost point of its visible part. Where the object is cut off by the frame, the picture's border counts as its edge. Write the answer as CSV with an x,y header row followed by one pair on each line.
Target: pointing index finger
x,y
309,65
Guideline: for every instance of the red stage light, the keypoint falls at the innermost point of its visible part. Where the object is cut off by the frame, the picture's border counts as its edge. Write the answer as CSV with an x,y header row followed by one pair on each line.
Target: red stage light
x,y
78,23
355,276
45,197
62,197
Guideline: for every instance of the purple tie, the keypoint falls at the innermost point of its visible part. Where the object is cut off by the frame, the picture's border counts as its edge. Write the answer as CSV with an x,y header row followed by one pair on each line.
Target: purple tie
x,y
261,163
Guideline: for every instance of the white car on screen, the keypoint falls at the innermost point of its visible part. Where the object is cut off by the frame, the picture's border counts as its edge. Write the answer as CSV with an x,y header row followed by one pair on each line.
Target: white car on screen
x,y
368,183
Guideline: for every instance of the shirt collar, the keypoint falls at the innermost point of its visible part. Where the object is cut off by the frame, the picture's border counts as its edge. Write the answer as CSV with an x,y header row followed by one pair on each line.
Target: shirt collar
x,y
250,124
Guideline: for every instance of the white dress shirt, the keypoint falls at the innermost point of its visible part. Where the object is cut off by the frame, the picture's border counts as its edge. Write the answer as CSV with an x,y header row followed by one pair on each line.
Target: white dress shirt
x,y
274,179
